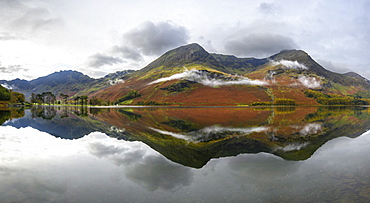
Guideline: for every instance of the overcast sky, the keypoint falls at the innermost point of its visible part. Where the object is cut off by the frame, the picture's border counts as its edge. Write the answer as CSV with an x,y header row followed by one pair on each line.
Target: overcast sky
x,y
39,37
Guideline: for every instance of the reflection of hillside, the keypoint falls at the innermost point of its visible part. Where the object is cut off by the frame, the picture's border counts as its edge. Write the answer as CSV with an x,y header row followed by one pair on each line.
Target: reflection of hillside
x,y
67,123
9,114
193,136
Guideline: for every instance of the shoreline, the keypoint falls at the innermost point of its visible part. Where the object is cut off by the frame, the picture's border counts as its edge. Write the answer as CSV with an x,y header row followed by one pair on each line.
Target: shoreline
x,y
159,106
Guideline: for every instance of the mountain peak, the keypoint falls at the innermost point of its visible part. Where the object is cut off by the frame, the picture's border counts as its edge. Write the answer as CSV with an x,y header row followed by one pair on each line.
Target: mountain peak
x,y
292,54
188,54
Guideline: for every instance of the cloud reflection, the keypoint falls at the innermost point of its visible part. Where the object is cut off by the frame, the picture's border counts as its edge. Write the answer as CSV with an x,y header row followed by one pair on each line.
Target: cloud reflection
x,y
38,167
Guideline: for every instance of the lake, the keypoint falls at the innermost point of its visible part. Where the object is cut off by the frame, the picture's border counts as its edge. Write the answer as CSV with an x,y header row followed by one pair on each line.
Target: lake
x,y
281,154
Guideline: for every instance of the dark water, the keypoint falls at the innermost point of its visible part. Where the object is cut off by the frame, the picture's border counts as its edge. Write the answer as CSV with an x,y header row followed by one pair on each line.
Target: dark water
x,y
290,154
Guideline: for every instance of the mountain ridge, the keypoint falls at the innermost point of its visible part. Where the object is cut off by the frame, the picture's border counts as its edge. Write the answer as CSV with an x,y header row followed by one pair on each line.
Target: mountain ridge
x,y
189,75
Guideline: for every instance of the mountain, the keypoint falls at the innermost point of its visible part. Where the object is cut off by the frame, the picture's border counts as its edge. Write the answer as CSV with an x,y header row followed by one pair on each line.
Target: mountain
x,y
67,82
189,75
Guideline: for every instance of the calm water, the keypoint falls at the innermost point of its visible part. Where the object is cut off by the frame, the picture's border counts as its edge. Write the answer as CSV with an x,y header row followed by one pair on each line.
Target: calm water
x,y
301,154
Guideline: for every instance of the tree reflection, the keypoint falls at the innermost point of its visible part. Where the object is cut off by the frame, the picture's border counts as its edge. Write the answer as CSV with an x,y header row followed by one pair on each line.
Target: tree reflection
x,y
45,112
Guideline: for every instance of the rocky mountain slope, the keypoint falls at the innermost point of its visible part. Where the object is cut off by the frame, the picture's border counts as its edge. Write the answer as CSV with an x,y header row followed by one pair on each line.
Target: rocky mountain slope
x,y
189,75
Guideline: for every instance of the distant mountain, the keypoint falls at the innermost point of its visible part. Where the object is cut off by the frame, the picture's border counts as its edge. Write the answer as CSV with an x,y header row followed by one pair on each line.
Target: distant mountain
x,y
66,82
189,75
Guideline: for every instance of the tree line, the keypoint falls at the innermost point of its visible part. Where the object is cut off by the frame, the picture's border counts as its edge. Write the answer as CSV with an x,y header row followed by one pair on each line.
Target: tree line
x,y
11,96
50,99
333,99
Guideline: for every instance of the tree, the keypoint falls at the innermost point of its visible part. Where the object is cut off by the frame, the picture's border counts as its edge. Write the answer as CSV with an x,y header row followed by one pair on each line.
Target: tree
x,y
17,97
76,99
48,97
33,98
84,99
95,101
4,94
64,98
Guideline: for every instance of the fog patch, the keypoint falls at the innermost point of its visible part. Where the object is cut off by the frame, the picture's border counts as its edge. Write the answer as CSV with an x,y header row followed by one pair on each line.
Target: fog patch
x,y
311,128
289,64
292,147
116,81
211,133
205,78
310,82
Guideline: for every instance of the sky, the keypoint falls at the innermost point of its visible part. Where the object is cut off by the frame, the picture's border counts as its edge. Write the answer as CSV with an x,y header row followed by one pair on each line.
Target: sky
x,y
95,37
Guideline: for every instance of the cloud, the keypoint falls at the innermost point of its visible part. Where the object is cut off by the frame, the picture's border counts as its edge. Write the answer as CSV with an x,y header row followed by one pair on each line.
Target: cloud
x,y
13,70
27,21
156,172
336,67
310,82
127,53
206,78
289,64
156,38
141,164
292,146
267,8
258,44
211,133
148,39
311,128
98,60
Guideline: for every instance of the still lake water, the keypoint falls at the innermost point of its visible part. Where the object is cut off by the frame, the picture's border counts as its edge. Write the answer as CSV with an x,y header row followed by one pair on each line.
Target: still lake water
x,y
290,154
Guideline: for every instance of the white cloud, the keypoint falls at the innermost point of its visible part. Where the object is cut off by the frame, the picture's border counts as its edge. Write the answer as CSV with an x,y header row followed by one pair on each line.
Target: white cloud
x,y
311,128
211,132
289,64
205,79
292,147
310,82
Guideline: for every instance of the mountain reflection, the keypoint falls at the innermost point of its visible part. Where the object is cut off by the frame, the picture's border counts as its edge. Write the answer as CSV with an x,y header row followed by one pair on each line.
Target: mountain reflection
x,y
193,136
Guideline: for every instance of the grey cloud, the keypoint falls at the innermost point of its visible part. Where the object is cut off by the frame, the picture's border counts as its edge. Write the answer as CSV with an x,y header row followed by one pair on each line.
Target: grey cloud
x,y
339,68
101,150
12,69
35,20
260,44
7,36
266,165
127,53
147,39
150,171
97,60
267,8
20,20
154,39
156,172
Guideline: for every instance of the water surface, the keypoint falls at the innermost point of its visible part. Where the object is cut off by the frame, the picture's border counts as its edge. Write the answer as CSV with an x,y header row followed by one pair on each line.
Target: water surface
x,y
305,154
